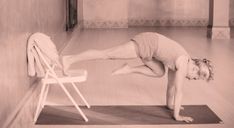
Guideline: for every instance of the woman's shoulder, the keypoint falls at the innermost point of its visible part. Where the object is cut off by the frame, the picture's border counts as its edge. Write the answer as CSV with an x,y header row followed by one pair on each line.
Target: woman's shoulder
x,y
182,61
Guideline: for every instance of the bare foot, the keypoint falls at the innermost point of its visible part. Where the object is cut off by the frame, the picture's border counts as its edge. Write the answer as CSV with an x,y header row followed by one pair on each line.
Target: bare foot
x,y
125,69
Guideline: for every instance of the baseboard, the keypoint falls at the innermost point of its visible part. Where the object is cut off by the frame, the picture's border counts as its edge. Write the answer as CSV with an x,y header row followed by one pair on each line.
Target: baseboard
x,y
13,119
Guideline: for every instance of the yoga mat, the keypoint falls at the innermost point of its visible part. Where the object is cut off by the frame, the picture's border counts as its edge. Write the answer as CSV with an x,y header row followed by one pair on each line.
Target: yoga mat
x,y
124,115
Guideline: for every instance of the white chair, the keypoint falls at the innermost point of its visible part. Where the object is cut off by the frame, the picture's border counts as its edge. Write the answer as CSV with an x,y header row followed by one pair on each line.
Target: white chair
x,y
53,77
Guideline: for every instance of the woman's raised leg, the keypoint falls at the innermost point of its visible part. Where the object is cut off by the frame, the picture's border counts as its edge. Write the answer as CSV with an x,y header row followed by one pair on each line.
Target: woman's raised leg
x,y
124,51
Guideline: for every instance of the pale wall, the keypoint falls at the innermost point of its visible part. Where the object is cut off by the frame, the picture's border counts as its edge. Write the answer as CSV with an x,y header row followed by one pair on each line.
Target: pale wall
x,y
105,13
80,11
121,13
221,14
18,19
113,13
232,12
168,12
160,9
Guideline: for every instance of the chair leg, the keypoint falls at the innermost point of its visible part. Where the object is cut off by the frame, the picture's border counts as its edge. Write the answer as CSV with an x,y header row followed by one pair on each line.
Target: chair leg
x,y
79,93
45,95
39,103
73,101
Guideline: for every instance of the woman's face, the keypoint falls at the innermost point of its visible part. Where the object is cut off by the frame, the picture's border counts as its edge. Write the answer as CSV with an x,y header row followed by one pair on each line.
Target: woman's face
x,y
193,72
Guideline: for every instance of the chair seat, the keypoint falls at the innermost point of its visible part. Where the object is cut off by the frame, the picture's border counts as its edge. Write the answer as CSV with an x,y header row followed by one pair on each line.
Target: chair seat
x,y
73,76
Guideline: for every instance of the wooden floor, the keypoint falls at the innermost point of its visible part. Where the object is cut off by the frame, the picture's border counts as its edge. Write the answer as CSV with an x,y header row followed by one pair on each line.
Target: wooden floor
x,y
103,89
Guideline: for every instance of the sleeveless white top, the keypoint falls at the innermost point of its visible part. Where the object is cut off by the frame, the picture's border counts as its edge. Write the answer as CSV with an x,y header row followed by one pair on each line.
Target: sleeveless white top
x,y
153,45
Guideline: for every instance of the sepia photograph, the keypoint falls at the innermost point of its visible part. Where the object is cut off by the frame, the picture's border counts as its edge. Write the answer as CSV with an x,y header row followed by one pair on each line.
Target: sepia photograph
x,y
117,63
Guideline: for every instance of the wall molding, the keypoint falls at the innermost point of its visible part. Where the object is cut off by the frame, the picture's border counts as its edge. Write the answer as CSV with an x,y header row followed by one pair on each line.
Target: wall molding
x,y
105,24
168,22
148,23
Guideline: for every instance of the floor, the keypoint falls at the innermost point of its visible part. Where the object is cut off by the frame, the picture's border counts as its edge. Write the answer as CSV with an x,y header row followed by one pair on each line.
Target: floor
x,y
103,89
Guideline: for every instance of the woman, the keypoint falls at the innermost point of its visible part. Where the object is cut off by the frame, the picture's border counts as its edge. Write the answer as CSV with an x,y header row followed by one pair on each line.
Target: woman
x,y
157,52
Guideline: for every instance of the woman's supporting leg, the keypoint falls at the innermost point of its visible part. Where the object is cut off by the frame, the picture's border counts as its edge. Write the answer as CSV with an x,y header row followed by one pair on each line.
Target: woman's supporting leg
x,y
125,51
152,68
142,69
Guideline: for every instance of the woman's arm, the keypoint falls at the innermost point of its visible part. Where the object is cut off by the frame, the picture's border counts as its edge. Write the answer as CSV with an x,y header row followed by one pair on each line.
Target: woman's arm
x,y
170,90
182,64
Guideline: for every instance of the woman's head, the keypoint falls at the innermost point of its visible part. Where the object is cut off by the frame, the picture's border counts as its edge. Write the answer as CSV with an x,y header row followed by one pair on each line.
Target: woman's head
x,y
201,69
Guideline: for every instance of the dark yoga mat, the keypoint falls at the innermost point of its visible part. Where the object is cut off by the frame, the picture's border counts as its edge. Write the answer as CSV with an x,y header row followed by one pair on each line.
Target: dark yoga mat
x,y
124,115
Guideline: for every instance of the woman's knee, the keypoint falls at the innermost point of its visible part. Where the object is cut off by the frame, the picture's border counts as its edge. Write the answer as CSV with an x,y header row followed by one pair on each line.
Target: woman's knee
x,y
157,67
160,72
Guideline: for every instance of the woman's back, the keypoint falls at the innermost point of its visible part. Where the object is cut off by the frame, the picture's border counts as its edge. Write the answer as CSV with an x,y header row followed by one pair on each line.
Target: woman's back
x,y
154,45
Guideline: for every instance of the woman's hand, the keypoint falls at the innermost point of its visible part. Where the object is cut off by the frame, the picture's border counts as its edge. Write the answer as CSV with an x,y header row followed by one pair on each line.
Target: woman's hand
x,y
184,118
172,107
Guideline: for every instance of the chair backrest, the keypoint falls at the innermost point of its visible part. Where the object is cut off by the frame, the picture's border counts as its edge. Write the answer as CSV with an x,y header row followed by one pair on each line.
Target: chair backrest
x,y
48,66
46,50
